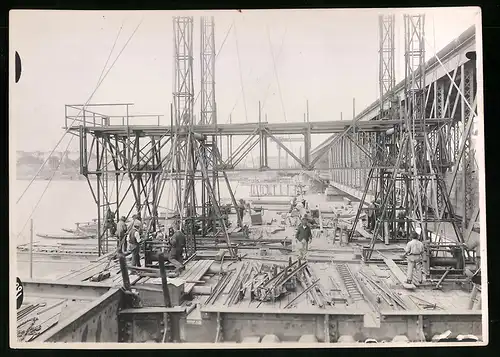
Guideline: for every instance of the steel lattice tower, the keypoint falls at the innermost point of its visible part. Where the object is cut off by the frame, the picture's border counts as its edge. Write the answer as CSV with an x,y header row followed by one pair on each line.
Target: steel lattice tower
x,y
208,115
412,185
387,76
195,156
183,71
183,103
207,57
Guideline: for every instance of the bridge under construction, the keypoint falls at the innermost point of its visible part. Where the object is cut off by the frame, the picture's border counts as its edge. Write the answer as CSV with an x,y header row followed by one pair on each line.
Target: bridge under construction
x,y
409,156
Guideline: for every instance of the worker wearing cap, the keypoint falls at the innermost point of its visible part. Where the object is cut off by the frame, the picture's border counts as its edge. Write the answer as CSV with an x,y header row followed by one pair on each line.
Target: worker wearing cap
x,y
413,252
134,240
302,211
121,232
177,244
303,236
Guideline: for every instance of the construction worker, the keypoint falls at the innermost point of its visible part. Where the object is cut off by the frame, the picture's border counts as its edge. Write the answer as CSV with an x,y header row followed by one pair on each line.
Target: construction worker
x,y
301,209
413,253
110,222
303,236
241,212
177,244
401,226
121,232
293,203
134,240
371,216
473,244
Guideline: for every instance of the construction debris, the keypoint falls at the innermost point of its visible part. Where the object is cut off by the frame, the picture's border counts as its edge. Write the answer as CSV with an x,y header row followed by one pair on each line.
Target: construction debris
x,y
383,292
273,281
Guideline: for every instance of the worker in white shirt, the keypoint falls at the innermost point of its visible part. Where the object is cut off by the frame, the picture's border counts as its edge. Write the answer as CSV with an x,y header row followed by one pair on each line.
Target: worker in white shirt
x,y
301,209
413,252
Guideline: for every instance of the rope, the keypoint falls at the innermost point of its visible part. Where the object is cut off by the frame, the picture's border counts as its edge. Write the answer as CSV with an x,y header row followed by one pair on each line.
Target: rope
x,y
276,75
99,82
241,82
274,64
84,106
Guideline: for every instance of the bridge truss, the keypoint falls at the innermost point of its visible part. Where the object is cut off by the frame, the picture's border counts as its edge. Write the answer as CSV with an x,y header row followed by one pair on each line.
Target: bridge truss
x,y
427,171
135,157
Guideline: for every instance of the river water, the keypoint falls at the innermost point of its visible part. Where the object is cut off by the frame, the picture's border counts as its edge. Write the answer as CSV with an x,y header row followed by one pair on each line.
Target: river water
x,y
67,202
63,204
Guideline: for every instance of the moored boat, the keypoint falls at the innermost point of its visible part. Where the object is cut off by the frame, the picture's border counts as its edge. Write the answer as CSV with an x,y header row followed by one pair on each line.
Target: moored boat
x,y
65,236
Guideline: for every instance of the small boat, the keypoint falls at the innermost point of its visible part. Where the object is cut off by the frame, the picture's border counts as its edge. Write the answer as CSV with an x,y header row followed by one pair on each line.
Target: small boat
x,y
67,230
65,236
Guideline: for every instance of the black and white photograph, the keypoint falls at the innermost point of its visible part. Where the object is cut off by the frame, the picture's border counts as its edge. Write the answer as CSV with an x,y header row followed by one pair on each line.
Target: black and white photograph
x,y
247,178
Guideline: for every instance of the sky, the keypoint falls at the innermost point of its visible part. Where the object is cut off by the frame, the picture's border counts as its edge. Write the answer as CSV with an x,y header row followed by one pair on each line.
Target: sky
x,y
325,57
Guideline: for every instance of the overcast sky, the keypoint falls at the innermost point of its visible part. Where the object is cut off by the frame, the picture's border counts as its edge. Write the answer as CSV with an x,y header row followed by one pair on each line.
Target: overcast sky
x,y
327,57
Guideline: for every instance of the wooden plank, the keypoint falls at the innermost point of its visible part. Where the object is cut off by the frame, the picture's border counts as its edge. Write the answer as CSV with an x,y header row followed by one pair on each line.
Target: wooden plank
x,y
379,272
362,231
87,272
186,275
194,270
153,310
398,273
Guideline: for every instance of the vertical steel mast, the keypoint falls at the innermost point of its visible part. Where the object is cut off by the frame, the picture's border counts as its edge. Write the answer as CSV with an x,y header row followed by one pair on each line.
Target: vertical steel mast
x,y
208,114
387,76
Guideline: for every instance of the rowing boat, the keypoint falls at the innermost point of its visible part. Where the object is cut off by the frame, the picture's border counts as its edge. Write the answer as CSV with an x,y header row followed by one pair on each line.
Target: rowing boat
x,y
65,236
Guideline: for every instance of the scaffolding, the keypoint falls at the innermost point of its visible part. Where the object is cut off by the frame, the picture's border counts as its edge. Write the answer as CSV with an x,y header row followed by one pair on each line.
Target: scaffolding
x,y
410,163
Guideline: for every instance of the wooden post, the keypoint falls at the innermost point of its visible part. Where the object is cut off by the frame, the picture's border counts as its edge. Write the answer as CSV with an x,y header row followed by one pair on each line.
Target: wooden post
x,y
123,268
167,334
163,274
31,248
472,298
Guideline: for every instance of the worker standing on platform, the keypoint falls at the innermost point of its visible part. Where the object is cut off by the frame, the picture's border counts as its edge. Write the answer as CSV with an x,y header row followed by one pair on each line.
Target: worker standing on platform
x,y
110,222
121,232
413,252
303,236
177,244
301,209
371,216
134,240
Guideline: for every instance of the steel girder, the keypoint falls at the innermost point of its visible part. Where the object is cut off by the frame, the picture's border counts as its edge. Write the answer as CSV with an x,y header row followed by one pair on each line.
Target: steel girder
x,y
451,56
447,142
442,100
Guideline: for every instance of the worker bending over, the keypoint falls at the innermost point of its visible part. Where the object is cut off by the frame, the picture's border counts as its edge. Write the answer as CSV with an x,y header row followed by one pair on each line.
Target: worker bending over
x,y
303,236
413,252
177,244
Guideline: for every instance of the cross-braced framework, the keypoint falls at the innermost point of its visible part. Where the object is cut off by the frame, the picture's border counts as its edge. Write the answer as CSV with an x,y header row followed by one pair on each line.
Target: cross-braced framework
x,y
208,116
195,154
450,107
207,57
124,146
413,161
387,76
123,166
